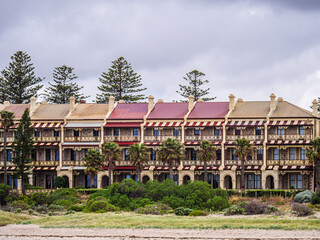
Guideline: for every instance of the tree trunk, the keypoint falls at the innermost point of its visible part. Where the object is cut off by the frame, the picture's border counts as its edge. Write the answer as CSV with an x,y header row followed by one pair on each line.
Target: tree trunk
x,y
92,180
317,171
5,179
242,176
110,175
22,185
170,170
205,171
139,173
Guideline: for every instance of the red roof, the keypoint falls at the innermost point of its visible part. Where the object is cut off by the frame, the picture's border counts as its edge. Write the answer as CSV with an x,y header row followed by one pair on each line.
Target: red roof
x,y
129,111
204,110
169,111
17,109
123,124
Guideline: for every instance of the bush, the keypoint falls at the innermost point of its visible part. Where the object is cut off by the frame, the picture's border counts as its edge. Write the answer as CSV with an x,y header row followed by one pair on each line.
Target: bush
x,y
315,199
4,193
303,197
198,213
60,182
301,210
56,208
59,196
217,203
38,198
18,210
20,204
99,204
154,209
41,208
254,207
69,212
234,210
139,203
77,208
64,202
181,211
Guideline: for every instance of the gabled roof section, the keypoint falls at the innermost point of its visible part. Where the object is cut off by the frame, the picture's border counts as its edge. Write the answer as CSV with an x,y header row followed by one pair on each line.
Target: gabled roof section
x,y
128,111
51,112
89,111
17,109
251,109
168,111
209,110
285,109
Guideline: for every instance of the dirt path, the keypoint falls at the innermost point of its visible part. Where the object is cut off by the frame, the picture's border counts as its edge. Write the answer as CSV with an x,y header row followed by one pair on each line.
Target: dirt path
x,y
34,232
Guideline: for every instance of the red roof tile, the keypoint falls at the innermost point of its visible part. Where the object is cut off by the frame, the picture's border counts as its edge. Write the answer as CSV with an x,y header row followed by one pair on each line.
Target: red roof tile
x,y
17,109
169,111
129,111
204,110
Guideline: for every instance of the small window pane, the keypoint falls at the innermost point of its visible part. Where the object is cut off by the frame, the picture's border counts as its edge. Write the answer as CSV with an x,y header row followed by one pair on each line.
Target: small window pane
x,y
292,153
276,154
301,130
299,181
303,154
196,132
136,132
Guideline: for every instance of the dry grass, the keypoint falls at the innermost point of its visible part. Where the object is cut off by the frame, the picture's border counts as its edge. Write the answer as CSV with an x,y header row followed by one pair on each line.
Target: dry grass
x,y
9,218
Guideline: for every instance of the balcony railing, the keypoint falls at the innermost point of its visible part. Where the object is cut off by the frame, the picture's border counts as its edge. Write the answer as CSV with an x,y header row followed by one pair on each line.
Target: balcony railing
x,y
249,137
41,163
287,162
122,138
247,162
9,139
200,163
82,139
200,138
9,164
73,163
47,139
289,137
160,138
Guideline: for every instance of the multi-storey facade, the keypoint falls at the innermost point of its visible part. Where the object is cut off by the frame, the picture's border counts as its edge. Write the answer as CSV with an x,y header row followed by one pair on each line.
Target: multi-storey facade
x,y
279,131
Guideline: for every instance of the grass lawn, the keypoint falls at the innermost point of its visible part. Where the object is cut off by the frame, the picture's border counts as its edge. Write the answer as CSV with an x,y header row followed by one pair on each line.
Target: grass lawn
x,y
9,218
131,220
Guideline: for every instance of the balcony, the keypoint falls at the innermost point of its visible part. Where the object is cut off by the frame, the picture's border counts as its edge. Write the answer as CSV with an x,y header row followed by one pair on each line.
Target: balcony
x,y
82,139
47,139
200,163
200,138
249,137
289,137
248,162
9,139
72,163
160,138
9,164
287,162
45,163
122,138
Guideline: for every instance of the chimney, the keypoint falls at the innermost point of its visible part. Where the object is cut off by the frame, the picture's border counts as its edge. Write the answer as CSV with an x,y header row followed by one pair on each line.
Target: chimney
x,y
72,103
111,103
272,102
33,104
44,102
6,103
191,102
121,101
315,107
150,103
160,100
82,101
231,101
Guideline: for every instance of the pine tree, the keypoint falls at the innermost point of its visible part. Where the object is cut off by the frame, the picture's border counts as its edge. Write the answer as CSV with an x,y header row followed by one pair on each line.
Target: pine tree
x,y
194,85
121,82
18,81
63,87
23,146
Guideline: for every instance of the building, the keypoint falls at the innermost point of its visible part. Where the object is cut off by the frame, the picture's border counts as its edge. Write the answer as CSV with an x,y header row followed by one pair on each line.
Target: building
x,y
279,131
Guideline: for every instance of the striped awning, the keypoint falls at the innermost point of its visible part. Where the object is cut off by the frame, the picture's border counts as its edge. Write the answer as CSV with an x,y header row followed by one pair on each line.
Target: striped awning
x,y
8,144
209,167
251,142
165,168
46,144
198,143
204,124
44,168
288,123
163,124
47,125
8,168
152,143
245,123
277,142
295,167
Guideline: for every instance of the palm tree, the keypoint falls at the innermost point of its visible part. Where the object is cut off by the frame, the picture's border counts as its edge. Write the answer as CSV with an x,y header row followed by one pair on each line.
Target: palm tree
x,y
111,153
6,122
313,153
207,152
243,151
171,151
138,155
93,162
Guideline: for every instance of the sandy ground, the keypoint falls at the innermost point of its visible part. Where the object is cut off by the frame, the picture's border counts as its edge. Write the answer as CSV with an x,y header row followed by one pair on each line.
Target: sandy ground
x,y
34,232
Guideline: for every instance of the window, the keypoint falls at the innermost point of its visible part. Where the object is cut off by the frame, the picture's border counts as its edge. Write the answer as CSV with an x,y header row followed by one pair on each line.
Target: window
x,y
258,131
215,182
275,154
216,132
116,132
233,152
249,181
76,133
303,154
156,132
126,154
280,131
57,157
256,181
299,181
292,153
56,133
136,132
218,154
301,130
34,155
73,155
85,151
253,181
292,181
295,181
95,133
193,154
48,154
237,131
9,155
48,181
37,132
176,132
260,154
87,183
153,155
196,132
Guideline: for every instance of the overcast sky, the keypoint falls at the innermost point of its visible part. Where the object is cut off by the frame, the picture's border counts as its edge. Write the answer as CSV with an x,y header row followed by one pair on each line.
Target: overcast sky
x,y
248,48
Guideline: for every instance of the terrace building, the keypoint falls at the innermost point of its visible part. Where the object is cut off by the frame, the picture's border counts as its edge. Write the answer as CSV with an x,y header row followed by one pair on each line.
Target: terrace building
x,y
279,131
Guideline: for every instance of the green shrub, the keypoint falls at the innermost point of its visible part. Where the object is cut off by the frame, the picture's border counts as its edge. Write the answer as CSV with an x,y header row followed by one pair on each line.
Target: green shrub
x,y
41,208
64,197
181,211
38,198
19,204
139,203
198,213
56,208
301,210
31,211
315,199
103,193
69,212
220,192
4,193
154,209
217,203
18,210
102,206
77,208
303,197
234,210
87,190
60,182
64,202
